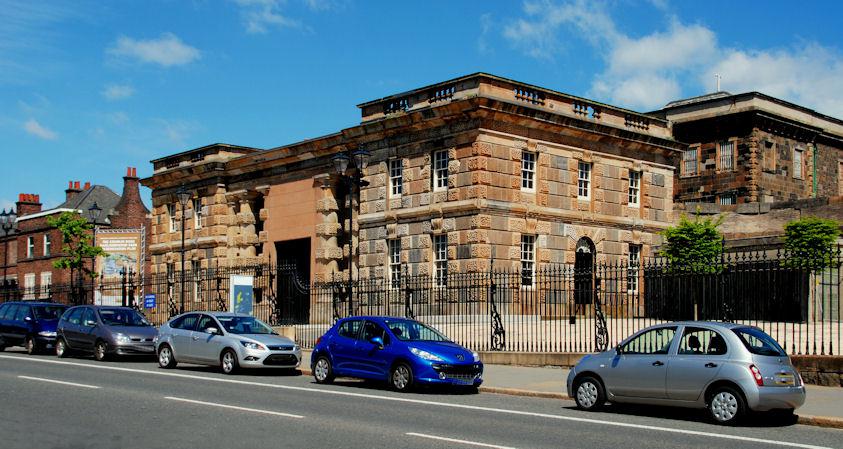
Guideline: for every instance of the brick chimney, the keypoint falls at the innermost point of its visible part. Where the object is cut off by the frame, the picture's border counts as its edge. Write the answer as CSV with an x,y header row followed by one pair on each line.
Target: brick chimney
x,y
130,212
72,190
28,204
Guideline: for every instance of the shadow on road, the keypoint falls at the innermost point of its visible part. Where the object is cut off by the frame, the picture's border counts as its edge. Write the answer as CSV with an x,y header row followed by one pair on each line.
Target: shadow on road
x,y
441,390
755,419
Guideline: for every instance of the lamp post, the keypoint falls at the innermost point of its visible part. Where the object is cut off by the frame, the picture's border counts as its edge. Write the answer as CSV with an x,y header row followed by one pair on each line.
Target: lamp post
x,y
183,196
94,213
8,220
353,181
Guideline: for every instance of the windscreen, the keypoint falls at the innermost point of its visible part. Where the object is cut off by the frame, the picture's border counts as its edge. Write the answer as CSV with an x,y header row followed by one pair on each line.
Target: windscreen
x,y
409,330
48,312
122,317
759,343
243,325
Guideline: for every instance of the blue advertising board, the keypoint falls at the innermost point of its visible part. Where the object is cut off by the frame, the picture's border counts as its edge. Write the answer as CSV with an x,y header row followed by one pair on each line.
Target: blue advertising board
x,y
242,294
149,301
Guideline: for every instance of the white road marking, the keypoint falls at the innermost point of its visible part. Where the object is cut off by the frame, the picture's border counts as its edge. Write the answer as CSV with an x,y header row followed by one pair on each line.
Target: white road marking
x,y
58,382
234,407
419,401
454,440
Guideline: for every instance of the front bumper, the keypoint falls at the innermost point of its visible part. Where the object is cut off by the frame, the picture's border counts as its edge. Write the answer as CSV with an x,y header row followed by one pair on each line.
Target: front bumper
x,y
251,358
45,342
146,348
465,374
772,398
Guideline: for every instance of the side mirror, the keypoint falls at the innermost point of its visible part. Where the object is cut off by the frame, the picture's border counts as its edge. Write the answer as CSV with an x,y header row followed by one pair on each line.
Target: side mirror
x,y
212,331
377,341
28,318
618,350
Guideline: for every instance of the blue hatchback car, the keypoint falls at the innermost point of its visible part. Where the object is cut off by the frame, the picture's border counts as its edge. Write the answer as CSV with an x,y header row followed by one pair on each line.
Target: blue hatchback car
x,y
29,324
402,351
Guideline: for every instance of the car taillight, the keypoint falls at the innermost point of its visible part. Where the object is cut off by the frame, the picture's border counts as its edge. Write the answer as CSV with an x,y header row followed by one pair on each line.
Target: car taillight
x,y
317,341
757,375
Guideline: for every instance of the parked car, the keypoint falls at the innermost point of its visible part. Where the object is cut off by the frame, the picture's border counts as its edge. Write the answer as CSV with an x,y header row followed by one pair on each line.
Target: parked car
x,y
729,369
104,331
401,351
228,340
29,324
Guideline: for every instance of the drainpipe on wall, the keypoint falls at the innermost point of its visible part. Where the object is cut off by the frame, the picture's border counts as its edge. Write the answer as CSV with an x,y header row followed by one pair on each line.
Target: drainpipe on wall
x,y
814,177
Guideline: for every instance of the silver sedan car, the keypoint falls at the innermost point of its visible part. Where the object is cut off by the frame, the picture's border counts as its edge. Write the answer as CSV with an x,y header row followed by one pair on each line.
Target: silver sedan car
x,y
228,340
727,368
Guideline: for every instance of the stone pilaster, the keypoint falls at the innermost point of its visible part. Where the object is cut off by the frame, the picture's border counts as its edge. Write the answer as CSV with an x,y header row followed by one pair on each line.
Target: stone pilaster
x,y
328,251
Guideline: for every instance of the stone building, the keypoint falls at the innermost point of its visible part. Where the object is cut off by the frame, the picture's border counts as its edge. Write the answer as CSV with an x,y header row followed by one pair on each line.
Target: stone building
x,y
463,174
753,148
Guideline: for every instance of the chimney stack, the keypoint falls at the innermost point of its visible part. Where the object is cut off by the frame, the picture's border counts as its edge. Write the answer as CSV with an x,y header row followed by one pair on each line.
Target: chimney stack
x,y
72,190
87,185
28,204
130,210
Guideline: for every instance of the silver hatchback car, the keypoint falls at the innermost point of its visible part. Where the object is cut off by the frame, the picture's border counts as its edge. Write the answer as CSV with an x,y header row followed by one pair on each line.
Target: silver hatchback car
x,y
727,368
228,340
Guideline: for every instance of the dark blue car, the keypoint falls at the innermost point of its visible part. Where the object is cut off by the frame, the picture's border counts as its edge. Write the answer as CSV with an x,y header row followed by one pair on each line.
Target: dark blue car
x,y
29,324
401,351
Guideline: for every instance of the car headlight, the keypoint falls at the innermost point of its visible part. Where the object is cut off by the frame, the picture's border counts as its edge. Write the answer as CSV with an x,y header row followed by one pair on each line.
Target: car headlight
x,y
250,345
122,339
296,348
475,355
47,334
422,354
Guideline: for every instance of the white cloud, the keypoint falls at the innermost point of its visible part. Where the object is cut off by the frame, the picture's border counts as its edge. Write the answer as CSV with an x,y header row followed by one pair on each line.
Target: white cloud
x,y
260,15
167,50
36,129
177,131
118,91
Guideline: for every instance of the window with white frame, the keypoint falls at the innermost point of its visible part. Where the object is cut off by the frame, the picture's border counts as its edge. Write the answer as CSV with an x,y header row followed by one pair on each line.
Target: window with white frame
x,y
528,171
727,199
29,286
633,269
47,244
30,248
440,259
584,181
396,178
797,163
440,170
197,213
689,161
171,213
528,259
46,283
727,155
196,272
394,248
634,188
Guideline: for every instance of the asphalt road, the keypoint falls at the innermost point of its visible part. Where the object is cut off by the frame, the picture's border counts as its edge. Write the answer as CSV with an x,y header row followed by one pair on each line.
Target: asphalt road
x,y
80,403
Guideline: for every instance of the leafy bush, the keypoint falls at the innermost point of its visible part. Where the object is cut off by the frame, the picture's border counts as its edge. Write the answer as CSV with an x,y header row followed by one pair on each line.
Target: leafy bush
x,y
811,242
694,245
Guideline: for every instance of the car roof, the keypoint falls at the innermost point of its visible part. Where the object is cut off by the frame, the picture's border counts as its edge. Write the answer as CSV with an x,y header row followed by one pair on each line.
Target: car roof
x,y
36,303
377,318
217,313
721,324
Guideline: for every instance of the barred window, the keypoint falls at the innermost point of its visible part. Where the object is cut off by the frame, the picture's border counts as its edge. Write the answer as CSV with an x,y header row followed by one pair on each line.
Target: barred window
x,y
528,259
46,283
528,171
29,286
797,163
171,212
634,188
196,272
689,161
197,213
440,170
633,268
394,248
727,199
440,259
727,155
584,181
396,177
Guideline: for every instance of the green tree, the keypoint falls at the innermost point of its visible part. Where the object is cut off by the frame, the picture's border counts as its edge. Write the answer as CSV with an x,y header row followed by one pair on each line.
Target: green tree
x,y
76,239
694,245
810,242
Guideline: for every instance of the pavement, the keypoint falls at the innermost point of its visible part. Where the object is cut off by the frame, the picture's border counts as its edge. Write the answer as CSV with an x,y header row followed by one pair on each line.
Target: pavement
x,y
79,402
823,407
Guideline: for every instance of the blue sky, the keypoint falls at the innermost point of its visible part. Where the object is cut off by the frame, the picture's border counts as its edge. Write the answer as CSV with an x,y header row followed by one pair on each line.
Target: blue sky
x,y
88,88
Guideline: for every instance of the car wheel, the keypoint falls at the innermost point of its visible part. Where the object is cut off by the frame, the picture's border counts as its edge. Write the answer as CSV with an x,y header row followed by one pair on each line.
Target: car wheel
x,y
401,377
62,350
166,358
726,405
589,394
228,362
322,371
100,351
29,345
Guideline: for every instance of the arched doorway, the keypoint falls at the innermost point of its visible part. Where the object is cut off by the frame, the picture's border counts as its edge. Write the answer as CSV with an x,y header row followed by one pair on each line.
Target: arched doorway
x,y
583,274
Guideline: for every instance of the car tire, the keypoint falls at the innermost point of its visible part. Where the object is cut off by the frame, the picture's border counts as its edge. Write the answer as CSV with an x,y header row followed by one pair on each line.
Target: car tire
x,y
62,350
30,345
401,377
228,362
101,351
323,372
726,405
166,359
589,393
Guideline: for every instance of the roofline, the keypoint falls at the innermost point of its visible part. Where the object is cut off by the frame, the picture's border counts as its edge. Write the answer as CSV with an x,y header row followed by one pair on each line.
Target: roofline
x,y
212,145
46,213
509,80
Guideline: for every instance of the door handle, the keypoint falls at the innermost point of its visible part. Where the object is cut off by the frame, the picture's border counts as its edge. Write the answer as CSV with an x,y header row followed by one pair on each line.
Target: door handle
x,y
711,365
658,363
195,338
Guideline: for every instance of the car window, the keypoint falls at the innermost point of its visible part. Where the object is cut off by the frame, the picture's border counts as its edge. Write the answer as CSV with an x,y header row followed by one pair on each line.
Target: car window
x,y
3,309
757,342
75,316
350,329
10,312
88,317
48,312
699,341
409,330
244,325
185,322
122,317
372,330
206,322
21,312
653,341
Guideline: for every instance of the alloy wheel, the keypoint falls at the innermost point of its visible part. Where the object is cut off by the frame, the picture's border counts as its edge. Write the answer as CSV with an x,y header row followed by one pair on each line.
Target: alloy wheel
x,y
587,394
99,351
401,377
724,406
60,348
228,362
164,356
320,371
30,345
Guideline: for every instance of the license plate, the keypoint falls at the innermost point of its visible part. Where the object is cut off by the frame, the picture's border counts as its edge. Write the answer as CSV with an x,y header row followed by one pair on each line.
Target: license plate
x,y
785,379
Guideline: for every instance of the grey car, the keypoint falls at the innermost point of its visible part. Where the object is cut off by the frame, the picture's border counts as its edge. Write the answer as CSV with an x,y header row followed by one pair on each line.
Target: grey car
x,y
227,340
727,368
104,331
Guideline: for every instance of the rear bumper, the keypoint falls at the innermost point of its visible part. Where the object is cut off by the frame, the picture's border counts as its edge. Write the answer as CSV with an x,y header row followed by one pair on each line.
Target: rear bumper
x,y
772,398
